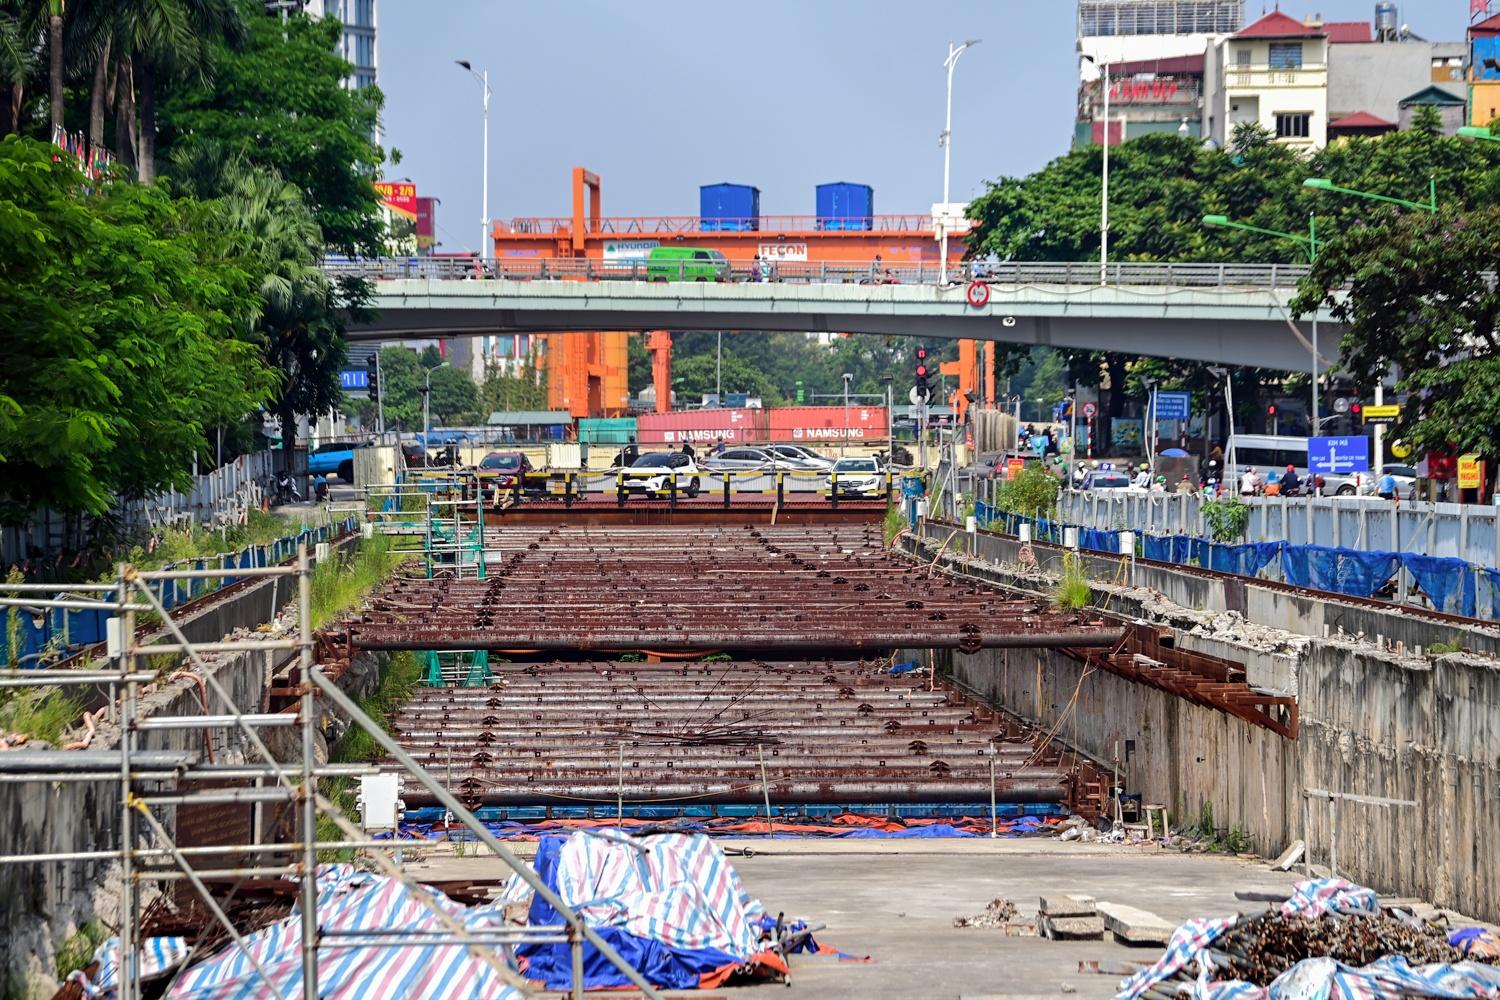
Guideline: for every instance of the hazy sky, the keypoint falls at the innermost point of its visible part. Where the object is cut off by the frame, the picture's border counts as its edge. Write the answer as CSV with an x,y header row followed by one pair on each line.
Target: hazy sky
x,y
658,98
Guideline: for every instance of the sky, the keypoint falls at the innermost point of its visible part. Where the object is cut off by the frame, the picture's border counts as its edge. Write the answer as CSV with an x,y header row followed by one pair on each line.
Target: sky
x,y
658,98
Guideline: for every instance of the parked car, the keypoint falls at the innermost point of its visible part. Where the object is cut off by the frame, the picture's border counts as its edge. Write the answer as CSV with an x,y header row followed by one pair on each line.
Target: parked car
x,y
654,473
415,456
503,470
335,458
750,459
1106,479
1364,483
856,477
686,264
797,453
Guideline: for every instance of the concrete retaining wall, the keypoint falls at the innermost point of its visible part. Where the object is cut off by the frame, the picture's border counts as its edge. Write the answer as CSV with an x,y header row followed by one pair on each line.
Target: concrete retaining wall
x,y
1372,723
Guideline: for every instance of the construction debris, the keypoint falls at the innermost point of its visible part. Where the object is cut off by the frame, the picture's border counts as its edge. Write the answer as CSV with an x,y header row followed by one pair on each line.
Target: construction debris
x,y
1000,913
1327,928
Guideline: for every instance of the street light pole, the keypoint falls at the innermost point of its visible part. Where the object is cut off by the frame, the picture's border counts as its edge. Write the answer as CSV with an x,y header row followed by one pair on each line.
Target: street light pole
x,y
844,442
1309,245
1104,192
484,192
942,223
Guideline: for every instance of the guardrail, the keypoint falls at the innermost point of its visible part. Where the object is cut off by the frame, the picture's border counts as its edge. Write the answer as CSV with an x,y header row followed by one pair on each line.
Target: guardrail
x,y
641,226
1010,273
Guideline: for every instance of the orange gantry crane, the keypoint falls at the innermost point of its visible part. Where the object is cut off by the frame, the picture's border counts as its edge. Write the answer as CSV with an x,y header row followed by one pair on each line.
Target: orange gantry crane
x,y
586,370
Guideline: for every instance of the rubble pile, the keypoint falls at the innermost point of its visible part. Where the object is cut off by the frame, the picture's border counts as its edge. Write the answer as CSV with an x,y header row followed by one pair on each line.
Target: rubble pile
x,y
1328,931
998,913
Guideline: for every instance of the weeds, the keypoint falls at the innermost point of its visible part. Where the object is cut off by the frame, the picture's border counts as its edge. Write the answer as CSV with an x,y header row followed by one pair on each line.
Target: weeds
x,y
78,950
895,523
1227,518
1444,648
40,713
1072,591
340,582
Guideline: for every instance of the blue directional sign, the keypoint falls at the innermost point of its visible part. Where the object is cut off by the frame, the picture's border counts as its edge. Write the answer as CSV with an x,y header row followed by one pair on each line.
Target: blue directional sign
x,y
1338,455
1174,406
357,378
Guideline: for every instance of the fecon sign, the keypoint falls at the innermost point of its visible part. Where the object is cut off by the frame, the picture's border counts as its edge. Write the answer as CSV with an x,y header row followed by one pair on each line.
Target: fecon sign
x,y
795,252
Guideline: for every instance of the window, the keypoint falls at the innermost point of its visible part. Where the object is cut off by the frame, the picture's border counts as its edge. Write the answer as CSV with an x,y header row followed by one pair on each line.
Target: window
x,y
1295,125
1242,58
700,255
1286,55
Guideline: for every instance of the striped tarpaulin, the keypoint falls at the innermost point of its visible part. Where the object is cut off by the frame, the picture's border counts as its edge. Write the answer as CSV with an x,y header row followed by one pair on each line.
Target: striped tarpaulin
x,y
347,900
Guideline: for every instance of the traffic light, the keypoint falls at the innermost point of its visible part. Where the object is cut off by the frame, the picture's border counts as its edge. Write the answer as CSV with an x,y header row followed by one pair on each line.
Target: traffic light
x,y
1271,410
922,372
373,364
1355,409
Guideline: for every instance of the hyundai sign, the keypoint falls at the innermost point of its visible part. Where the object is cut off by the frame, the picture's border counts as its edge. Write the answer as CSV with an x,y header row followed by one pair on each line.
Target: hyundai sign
x,y
1338,456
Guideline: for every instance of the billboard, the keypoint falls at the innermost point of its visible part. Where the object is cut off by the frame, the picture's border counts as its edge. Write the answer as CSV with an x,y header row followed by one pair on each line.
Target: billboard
x,y
426,225
1338,455
398,202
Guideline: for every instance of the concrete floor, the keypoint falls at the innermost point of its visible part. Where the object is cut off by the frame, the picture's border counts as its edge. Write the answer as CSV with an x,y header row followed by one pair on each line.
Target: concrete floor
x,y
896,902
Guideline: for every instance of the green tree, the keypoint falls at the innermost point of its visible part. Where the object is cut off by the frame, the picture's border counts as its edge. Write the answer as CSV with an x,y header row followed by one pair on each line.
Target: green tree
x,y
1422,302
453,393
401,376
507,391
124,308
280,101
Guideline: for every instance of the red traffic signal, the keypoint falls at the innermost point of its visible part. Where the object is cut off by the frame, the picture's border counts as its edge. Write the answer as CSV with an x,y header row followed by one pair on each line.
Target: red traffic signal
x,y
1271,410
1356,408
921,371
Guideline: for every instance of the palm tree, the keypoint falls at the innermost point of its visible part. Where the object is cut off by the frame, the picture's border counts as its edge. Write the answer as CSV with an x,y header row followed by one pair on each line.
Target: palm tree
x,y
55,68
297,324
20,28
137,44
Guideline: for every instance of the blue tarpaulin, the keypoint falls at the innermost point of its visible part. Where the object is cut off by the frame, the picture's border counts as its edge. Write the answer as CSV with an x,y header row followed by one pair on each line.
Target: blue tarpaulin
x,y
1342,571
1243,560
1168,548
1448,583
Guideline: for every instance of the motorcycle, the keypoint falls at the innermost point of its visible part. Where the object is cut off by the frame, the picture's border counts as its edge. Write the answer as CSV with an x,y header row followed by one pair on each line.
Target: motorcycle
x,y
286,489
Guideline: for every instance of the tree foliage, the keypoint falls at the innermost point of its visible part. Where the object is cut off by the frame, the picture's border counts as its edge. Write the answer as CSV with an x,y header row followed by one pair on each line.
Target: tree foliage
x,y
126,310
1422,302
280,101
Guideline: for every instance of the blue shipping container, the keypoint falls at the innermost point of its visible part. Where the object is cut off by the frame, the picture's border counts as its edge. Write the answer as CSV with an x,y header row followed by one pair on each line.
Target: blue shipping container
x,y
845,206
728,208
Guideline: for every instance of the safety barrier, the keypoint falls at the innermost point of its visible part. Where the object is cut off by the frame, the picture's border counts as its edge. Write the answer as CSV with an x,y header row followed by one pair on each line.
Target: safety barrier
x,y
1442,583
822,272
45,630
623,485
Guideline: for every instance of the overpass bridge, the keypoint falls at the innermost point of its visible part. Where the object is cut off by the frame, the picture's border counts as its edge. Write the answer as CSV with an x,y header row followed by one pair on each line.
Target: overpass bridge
x,y
1235,314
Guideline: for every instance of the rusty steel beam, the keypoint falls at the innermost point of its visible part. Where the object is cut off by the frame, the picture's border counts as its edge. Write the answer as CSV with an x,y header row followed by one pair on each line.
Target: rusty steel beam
x,y
773,589
597,733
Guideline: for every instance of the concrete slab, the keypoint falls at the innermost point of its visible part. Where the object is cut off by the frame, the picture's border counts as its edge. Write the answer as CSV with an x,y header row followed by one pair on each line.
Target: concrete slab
x,y
1067,906
896,901
1131,925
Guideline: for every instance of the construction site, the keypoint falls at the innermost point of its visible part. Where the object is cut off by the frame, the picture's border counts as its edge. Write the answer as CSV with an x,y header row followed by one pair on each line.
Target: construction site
x,y
864,756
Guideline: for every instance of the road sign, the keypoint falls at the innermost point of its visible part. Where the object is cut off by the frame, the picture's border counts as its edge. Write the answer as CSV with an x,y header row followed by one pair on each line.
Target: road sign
x,y
1174,406
1388,414
1090,410
1338,456
355,378
1470,472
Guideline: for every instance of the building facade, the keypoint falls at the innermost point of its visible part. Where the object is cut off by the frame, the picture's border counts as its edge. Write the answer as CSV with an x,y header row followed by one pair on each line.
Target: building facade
x,y
1154,53
358,43
1484,71
1273,72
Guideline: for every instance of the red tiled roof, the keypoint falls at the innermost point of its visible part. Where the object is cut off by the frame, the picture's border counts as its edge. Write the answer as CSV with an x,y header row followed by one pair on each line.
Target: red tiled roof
x,y
1174,64
1349,32
1279,25
1361,119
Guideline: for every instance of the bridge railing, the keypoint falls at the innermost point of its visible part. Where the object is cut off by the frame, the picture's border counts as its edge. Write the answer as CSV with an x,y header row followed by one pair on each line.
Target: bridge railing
x,y
1010,273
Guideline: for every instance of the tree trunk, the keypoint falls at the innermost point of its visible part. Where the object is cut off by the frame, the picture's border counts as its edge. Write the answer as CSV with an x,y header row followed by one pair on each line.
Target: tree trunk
x,y
1115,407
97,95
125,134
10,108
55,70
288,418
146,161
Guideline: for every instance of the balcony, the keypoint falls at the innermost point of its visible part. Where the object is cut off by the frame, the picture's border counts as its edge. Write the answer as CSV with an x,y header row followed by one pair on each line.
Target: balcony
x,y
1267,78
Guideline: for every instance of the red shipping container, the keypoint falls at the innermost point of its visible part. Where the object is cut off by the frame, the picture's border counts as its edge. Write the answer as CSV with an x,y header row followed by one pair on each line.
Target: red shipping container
x,y
702,426
829,423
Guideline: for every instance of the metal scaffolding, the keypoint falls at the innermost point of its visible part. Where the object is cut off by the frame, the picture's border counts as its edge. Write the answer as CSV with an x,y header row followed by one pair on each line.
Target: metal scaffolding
x,y
149,781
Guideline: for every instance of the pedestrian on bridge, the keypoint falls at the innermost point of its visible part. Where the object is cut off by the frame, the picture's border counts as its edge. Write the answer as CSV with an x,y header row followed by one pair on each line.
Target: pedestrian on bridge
x,y
687,449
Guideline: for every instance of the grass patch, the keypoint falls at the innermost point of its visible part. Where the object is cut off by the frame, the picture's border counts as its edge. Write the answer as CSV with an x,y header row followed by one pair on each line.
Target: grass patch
x,y
1072,591
397,683
342,581
40,713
